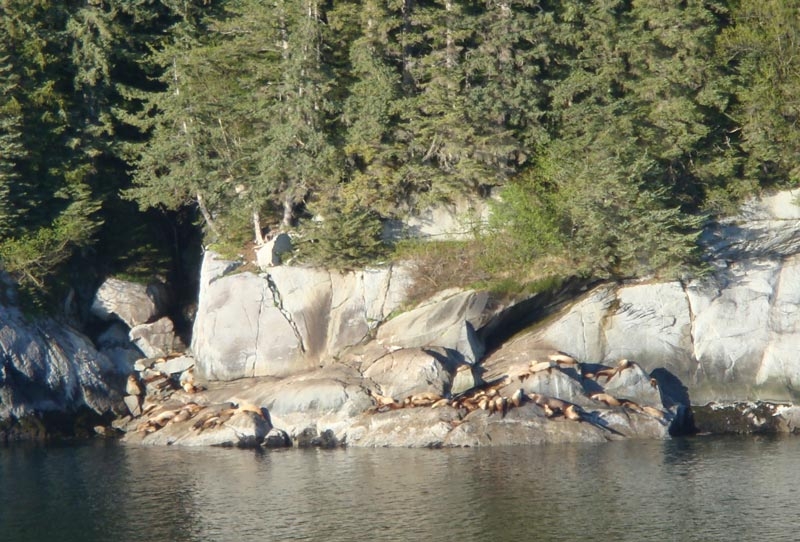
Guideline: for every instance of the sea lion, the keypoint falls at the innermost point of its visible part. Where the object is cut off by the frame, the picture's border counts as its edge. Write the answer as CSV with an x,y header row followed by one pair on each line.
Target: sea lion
x,y
498,404
631,405
250,407
186,413
560,357
384,402
654,383
610,400
609,373
423,399
132,386
441,403
517,397
538,366
654,412
625,364
187,381
572,412
215,421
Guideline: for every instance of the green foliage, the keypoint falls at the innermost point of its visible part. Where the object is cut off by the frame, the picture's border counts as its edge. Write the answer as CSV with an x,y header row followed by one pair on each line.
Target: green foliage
x,y
525,222
610,126
344,237
762,50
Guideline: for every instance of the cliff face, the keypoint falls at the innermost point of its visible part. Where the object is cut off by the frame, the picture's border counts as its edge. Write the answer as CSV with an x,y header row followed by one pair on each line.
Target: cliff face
x,y
317,353
733,335
730,336
46,366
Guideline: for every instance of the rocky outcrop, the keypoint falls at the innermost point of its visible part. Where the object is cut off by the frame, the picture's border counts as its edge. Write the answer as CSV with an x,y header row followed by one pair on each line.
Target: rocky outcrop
x,y
131,302
394,403
730,336
286,320
48,367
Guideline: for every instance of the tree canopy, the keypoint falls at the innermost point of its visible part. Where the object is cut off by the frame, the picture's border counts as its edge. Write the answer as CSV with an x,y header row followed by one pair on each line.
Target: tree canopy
x,y
609,129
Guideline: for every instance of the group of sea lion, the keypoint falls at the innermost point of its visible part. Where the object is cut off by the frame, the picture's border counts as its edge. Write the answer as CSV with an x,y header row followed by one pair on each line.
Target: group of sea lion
x,y
154,390
489,397
207,417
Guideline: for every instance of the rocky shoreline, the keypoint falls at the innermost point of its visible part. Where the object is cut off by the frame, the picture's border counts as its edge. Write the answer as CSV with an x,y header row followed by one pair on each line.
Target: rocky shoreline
x,y
556,400
331,358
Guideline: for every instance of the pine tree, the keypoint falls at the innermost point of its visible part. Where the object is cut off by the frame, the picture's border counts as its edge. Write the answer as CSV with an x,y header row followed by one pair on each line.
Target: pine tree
x,y
629,112
55,207
762,47
12,151
177,166
370,117
298,156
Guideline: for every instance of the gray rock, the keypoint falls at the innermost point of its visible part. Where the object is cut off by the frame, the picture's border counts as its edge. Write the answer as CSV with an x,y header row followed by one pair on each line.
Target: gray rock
x,y
156,339
271,252
133,402
287,321
448,320
175,365
45,366
132,303
408,372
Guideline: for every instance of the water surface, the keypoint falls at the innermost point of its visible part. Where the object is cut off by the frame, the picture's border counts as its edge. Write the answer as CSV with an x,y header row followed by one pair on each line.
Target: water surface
x,y
687,489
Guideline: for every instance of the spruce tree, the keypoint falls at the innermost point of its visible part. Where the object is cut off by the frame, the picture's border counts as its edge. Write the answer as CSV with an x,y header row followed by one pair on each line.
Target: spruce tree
x,y
762,46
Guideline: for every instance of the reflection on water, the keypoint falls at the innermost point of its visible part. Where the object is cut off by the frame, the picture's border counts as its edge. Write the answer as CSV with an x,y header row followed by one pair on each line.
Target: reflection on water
x,y
692,489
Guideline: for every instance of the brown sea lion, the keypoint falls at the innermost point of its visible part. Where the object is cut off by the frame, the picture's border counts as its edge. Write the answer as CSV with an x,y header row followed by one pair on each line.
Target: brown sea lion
x,y
572,412
132,386
610,400
608,373
250,407
654,412
423,399
560,357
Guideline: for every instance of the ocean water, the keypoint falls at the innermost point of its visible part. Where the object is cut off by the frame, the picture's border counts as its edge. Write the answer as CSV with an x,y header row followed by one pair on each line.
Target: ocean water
x,y
702,488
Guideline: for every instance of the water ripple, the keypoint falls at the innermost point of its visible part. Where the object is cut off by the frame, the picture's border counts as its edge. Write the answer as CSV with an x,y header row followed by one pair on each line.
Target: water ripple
x,y
691,489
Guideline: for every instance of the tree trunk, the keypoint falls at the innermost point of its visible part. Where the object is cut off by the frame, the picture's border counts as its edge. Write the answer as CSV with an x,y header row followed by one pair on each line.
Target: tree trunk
x,y
288,212
206,215
257,227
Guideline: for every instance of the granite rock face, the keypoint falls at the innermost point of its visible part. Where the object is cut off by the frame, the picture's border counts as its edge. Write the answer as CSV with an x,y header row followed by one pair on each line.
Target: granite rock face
x,y
732,336
131,302
46,366
287,320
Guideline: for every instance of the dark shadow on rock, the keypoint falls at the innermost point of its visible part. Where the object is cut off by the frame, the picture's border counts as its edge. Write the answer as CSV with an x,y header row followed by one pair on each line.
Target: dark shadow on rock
x,y
672,390
526,312
593,419
683,422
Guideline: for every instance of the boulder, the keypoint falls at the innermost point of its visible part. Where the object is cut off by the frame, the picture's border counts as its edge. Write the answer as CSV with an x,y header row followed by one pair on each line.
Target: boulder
x,y
174,365
448,320
131,302
271,252
156,339
286,321
46,366
115,344
410,371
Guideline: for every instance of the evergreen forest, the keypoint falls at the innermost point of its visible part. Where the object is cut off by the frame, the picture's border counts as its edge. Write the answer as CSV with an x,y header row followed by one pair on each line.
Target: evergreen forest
x,y
607,131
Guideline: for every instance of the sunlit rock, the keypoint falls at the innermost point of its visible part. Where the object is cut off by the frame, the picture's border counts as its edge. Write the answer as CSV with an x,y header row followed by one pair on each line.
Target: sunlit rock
x,y
131,302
